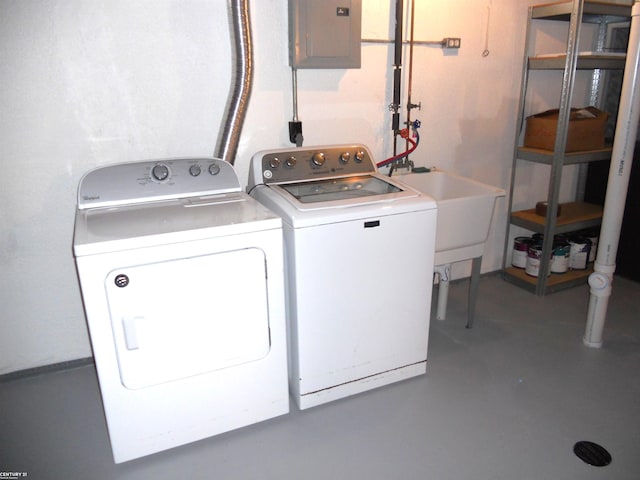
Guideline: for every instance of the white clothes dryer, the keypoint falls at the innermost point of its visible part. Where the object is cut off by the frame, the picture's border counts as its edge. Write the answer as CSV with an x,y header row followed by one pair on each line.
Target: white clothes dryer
x,y
182,280
359,258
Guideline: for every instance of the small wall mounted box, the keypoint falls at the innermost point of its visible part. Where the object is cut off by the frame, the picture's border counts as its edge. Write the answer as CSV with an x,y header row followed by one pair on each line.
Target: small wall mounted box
x,y
325,33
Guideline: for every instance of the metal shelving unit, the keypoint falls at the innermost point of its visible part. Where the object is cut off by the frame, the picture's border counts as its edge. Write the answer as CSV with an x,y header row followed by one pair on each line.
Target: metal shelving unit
x,y
575,215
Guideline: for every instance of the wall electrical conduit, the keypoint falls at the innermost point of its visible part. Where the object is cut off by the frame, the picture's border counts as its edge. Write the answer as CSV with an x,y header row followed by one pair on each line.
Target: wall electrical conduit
x,y
242,79
617,185
397,72
401,159
410,105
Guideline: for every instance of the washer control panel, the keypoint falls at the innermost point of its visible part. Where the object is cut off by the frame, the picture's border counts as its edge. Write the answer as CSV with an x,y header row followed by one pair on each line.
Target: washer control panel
x,y
299,164
148,181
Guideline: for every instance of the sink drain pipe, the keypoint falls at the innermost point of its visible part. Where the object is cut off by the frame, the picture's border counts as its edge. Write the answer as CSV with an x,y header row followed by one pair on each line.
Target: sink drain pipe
x,y
444,276
242,79
619,171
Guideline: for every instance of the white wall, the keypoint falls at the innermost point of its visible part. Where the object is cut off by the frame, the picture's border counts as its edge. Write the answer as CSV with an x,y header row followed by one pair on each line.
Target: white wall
x,y
92,82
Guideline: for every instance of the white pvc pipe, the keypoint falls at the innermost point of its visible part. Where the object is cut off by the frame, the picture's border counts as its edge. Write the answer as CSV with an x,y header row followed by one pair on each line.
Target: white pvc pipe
x,y
619,171
444,276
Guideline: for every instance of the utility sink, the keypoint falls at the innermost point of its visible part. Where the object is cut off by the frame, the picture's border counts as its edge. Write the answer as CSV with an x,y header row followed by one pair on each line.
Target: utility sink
x,y
465,208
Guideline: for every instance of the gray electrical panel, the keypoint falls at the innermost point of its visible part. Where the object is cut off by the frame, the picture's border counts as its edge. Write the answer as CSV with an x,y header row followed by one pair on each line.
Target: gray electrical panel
x,y
325,33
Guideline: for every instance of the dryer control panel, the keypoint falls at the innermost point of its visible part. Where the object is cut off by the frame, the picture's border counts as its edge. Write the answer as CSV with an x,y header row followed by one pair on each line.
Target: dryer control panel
x,y
150,181
310,163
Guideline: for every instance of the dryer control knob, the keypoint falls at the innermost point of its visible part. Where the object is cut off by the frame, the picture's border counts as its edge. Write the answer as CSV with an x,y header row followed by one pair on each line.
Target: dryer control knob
x,y
160,172
359,156
214,169
318,159
344,157
195,170
290,162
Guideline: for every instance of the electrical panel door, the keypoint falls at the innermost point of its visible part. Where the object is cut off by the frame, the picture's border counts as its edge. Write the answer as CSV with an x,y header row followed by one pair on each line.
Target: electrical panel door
x,y
325,33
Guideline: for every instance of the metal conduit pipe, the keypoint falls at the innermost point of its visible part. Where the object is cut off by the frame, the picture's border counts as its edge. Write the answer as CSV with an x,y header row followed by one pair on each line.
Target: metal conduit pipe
x,y
617,185
406,162
242,79
397,72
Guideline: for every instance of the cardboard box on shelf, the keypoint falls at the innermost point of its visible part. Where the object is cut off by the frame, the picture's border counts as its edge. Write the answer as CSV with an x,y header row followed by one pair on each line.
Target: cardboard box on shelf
x,y
586,129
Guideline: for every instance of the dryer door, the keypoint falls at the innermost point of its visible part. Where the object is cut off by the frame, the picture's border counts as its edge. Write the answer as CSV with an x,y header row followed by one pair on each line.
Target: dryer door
x,y
189,316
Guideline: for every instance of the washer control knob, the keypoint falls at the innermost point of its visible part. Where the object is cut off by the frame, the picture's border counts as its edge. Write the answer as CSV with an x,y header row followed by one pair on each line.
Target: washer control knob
x,y
318,159
290,162
195,170
274,162
160,172
344,157
359,156
214,169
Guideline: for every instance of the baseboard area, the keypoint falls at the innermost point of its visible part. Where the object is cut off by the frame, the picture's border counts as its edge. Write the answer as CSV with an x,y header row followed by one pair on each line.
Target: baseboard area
x,y
54,367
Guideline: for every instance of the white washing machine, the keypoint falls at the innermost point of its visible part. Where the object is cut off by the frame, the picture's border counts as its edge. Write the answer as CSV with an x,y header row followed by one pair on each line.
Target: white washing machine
x,y
359,258
182,279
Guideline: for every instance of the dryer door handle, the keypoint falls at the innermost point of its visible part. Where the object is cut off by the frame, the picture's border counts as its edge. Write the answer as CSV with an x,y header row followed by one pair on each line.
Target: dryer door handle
x,y
129,326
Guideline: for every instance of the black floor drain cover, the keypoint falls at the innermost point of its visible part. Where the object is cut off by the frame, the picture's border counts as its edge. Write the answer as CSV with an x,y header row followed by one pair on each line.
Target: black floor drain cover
x,y
592,453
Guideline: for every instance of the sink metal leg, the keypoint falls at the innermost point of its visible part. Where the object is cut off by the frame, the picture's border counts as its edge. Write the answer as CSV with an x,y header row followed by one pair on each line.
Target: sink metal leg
x,y
473,290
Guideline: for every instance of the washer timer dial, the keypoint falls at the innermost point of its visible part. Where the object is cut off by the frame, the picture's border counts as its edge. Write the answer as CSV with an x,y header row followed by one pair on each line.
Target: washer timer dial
x,y
274,162
318,159
290,162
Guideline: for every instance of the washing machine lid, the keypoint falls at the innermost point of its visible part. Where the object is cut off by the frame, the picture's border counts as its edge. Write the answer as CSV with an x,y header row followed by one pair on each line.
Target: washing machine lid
x,y
301,215
323,184
108,229
336,189
340,192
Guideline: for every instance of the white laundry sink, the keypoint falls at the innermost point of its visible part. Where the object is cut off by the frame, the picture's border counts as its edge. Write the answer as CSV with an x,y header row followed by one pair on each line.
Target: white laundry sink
x,y
465,208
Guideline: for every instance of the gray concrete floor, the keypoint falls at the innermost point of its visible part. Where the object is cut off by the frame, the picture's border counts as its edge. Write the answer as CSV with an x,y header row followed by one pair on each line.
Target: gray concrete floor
x,y
505,400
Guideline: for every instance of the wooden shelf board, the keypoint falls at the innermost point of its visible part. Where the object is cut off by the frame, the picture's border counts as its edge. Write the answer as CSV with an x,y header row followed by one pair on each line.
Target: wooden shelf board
x,y
584,62
555,282
572,213
546,156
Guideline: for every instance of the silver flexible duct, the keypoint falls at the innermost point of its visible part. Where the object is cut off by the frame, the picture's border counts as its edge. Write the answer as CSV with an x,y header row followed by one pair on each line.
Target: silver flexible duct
x,y
242,79
617,185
